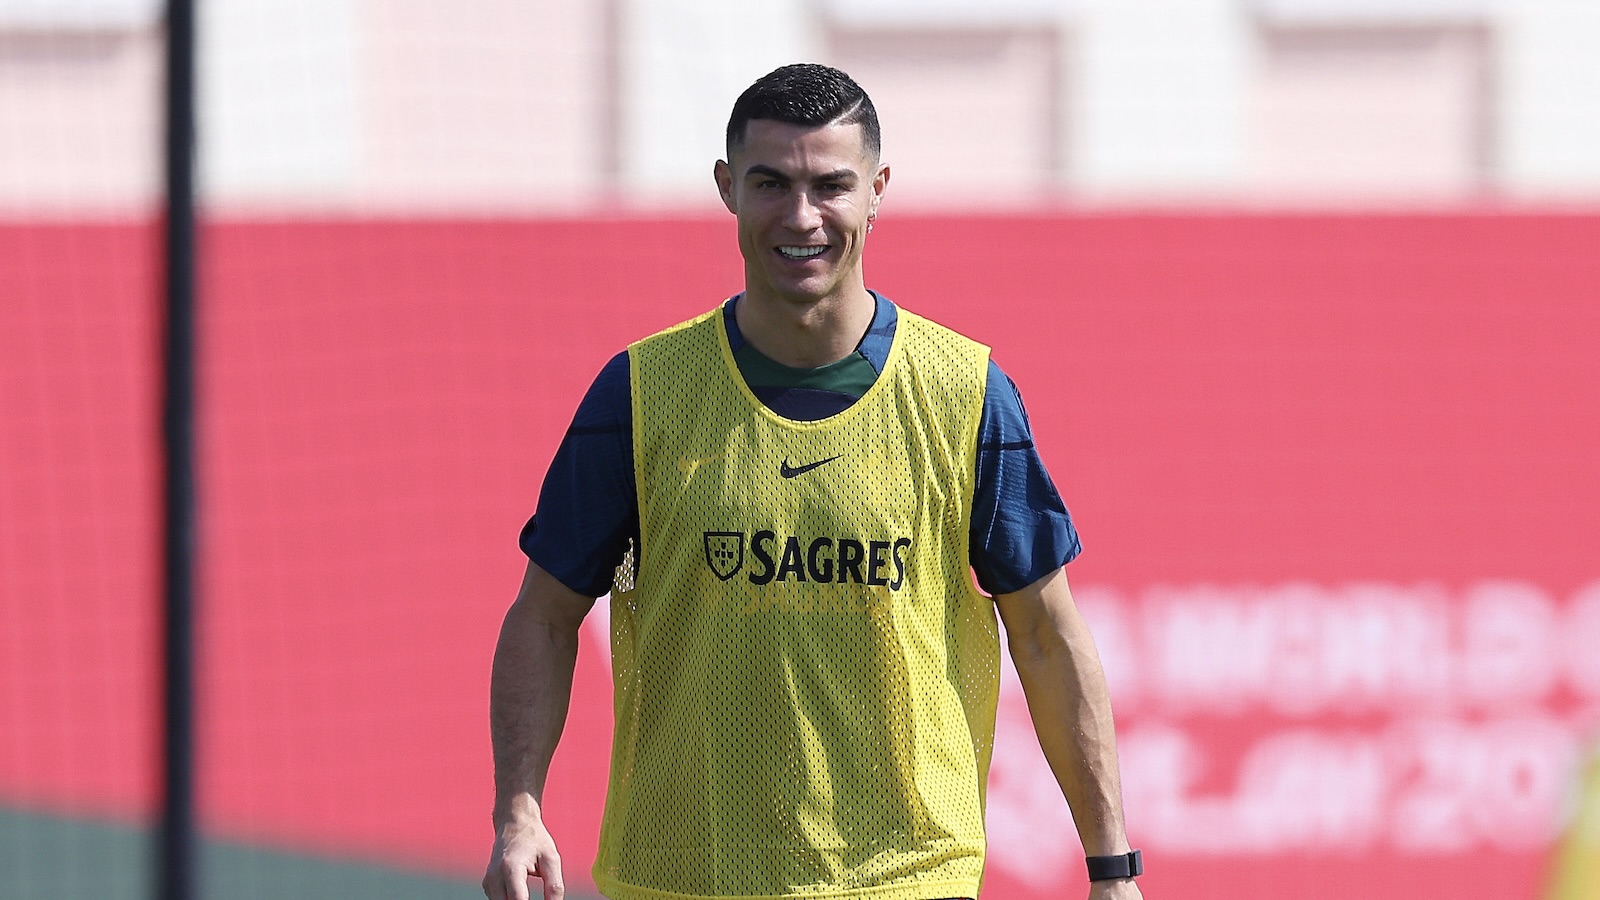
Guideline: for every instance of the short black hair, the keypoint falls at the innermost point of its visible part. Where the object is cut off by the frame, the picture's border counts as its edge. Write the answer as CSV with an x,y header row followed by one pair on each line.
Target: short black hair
x,y
806,94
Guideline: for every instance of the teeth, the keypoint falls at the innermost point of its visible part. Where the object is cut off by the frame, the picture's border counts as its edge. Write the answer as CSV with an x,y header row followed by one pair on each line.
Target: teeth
x,y
801,252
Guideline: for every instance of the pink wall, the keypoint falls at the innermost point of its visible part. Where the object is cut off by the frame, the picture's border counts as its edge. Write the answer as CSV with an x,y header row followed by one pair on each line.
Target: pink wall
x,y
1264,425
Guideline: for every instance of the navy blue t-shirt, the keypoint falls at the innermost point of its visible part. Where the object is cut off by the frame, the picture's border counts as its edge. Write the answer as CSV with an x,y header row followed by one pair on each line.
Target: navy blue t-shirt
x,y
588,510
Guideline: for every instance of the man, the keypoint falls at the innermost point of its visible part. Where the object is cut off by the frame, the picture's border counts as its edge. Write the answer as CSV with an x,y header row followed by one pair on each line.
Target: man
x,y
787,498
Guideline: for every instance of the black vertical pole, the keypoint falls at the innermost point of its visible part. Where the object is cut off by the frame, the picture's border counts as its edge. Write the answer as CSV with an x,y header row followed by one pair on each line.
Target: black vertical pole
x,y
177,868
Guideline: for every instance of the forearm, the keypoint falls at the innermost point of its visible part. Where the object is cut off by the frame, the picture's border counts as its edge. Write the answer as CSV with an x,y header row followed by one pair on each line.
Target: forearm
x,y
530,689
1068,701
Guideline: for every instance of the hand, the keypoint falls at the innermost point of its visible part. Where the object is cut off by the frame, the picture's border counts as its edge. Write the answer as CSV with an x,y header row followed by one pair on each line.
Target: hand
x,y
522,851
1115,889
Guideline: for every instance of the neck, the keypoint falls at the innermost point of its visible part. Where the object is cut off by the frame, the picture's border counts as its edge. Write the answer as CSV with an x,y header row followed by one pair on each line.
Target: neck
x,y
805,335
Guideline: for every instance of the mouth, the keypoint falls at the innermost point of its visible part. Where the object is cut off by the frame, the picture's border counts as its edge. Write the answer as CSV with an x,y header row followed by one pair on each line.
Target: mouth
x,y
799,253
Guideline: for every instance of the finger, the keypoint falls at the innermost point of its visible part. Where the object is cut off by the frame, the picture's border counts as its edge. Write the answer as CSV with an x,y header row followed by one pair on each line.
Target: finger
x,y
493,888
505,881
516,878
550,873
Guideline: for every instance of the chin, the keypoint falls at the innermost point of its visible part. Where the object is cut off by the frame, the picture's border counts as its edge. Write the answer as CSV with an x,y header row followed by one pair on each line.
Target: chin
x,y
801,293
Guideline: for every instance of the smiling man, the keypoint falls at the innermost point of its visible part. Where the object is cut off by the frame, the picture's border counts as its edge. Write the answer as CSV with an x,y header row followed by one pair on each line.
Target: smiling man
x,y
787,499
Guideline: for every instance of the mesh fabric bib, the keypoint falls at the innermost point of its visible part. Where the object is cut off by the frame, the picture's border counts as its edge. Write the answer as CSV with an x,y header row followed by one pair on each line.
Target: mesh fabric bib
x,y
805,676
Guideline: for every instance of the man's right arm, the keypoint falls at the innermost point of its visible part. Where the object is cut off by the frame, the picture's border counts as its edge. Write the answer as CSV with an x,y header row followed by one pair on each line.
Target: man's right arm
x,y
530,689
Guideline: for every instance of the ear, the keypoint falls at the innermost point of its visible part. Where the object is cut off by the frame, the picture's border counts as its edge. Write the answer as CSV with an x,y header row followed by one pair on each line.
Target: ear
x,y
880,184
723,173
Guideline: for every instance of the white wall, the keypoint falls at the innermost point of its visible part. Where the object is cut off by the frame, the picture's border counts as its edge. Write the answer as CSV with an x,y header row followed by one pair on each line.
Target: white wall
x,y
281,100
1550,99
1160,93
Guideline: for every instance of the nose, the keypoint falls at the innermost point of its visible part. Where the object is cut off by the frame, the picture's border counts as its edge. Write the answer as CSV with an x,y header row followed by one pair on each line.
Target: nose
x,y
802,214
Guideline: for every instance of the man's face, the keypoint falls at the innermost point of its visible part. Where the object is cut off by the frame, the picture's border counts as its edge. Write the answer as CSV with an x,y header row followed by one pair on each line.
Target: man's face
x,y
803,197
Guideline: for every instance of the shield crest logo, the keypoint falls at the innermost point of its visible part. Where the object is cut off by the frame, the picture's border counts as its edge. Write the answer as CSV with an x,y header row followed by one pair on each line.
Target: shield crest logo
x,y
724,553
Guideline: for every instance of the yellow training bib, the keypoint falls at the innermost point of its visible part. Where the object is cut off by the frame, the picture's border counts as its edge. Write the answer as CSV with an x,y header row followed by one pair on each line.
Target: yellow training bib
x,y
805,674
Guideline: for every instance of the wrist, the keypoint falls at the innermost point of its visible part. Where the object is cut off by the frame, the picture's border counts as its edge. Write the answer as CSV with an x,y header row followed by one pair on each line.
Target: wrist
x,y
517,809
1117,866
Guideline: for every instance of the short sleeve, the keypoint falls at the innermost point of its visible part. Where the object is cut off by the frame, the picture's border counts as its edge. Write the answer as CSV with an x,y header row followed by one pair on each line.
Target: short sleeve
x,y
588,510
1021,530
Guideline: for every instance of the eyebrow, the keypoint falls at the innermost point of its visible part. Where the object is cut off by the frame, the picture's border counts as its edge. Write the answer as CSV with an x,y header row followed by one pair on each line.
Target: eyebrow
x,y
836,175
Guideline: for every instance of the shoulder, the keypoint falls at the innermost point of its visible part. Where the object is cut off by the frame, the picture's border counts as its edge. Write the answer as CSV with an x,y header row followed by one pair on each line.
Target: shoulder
x,y
950,356
927,329
607,403
1002,402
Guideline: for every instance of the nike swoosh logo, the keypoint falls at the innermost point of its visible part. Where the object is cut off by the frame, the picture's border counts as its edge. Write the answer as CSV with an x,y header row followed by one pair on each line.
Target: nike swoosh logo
x,y
789,471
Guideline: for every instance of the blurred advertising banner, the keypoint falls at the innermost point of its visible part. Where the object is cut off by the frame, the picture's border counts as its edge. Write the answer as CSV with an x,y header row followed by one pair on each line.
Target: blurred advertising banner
x,y
1337,475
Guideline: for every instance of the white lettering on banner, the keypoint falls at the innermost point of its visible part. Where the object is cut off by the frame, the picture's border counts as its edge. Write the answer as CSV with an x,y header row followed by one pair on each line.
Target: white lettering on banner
x,y
1304,650
1295,790
1581,632
1432,722
1501,785
1297,649
1442,787
1510,654
1305,789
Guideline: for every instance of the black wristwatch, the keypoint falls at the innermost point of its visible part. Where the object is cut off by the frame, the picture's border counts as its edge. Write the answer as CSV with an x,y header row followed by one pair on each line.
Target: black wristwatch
x,y
1123,865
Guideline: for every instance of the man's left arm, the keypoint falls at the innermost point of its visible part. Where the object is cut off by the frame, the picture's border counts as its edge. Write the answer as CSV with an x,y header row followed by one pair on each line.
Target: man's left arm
x,y
1067,698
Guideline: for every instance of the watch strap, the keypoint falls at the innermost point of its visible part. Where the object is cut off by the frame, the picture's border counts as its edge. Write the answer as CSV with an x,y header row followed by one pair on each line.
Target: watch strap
x,y
1123,865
